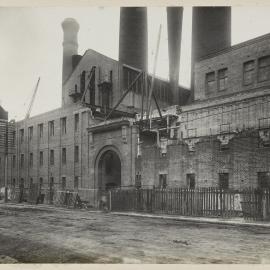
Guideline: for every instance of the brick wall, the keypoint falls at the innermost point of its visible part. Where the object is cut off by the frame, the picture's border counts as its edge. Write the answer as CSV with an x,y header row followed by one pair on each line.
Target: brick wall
x,y
232,59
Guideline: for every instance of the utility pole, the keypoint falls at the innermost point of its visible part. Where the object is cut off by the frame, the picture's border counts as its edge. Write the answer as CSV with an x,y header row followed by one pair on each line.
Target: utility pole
x,y
6,162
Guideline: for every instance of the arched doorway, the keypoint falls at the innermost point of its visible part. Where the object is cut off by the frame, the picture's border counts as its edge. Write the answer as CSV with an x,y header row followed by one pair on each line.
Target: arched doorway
x,y
109,170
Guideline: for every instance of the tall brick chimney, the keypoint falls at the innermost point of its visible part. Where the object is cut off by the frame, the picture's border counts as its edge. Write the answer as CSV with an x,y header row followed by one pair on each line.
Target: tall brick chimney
x,y
133,41
70,45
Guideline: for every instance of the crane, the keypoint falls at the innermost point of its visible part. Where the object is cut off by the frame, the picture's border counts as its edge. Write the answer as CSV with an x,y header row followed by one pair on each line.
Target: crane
x,y
32,100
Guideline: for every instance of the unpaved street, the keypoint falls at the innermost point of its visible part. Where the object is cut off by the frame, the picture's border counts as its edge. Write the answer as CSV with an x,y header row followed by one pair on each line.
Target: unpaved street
x,y
32,234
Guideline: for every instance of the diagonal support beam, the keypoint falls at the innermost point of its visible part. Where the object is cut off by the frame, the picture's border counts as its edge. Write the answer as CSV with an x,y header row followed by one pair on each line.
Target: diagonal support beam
x,y
124,95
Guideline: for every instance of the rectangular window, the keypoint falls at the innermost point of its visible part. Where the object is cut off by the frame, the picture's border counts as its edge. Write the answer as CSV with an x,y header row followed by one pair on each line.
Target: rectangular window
x,y
22,161
51,128
30,133
64,155
40,182
13,139
76,153
264,69
40,130
63,122
222,79
138,180
248,72
191,180
41,158
51,184
264,180
162,180
51,157
76,182
13,161
76,122
13,182
21,135
63,184
223,180
31,160
210,81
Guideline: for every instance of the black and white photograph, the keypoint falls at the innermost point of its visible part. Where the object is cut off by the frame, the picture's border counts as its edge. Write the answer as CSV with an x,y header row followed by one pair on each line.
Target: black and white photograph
x,y
134,134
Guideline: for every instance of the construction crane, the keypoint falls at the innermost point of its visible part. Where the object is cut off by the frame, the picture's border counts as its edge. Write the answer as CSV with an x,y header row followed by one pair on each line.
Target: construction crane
x,y
32,100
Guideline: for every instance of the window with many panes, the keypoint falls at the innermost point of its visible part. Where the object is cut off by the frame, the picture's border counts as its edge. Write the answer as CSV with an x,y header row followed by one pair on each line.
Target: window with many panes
x,y
64,155
21,132
222,79
13,161
76,153
22,161
264,180
76,182
210,81
76,122
162,180
51,128
223,180
31,160
264,68
63,122
191,180
51,157
41,158
40,130
63,184
30,133
248,72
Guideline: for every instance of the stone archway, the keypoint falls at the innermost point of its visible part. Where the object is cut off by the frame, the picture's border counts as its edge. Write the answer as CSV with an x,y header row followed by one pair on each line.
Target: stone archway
x,y
108,169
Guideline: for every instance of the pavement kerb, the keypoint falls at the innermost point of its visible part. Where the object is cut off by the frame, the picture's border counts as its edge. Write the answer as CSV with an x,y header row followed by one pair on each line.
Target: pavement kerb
x,y
196,219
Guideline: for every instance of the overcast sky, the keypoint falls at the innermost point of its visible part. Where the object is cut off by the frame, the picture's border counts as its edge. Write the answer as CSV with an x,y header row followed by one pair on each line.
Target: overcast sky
x,y
31,46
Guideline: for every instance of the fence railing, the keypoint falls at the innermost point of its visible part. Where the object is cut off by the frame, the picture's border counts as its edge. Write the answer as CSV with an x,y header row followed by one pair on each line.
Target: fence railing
x,y
210,202
252,204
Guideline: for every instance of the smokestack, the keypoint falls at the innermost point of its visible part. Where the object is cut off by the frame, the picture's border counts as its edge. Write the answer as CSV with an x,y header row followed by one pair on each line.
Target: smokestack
x,y
133,41
211,32
174,24
70,45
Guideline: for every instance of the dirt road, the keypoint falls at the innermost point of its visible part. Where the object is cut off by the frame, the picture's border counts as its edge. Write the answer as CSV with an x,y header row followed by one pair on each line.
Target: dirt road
x,y
33,234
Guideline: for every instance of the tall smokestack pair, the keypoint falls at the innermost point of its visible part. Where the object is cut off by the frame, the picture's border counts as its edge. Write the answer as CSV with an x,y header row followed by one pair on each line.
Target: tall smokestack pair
x,y
133,41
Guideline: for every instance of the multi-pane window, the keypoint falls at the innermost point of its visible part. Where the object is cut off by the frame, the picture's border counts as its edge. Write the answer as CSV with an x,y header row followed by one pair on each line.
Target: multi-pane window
x,y
163,180
13,161
51,128
64,155
51,157
191,180
41,158
31,160
223,180
63,184
63,125
22,161
76,122
249,72
210,81
21,132
264,180
76,182
30,133
40,182
76,153
264,68
222,79
40,130
13,138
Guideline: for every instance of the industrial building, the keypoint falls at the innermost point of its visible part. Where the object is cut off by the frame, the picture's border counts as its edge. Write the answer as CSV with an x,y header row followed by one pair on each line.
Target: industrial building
x,y
216,134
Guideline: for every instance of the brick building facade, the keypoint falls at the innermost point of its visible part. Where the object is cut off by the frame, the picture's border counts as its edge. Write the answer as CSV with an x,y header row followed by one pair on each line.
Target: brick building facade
x,y
220,139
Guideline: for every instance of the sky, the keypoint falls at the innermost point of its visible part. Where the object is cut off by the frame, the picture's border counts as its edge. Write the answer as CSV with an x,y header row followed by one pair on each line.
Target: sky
x,y
31,47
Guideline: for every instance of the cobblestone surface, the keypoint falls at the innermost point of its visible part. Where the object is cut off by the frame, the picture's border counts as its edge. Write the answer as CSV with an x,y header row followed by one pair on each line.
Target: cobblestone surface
x,y
54,235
